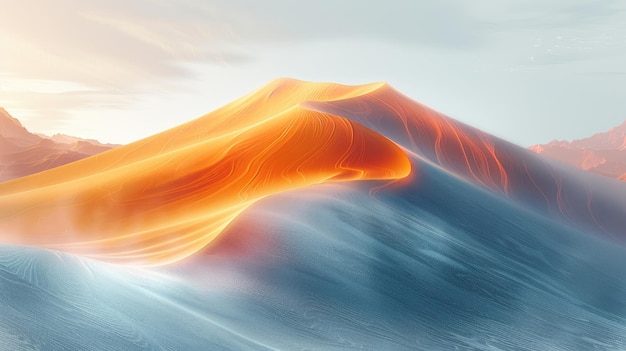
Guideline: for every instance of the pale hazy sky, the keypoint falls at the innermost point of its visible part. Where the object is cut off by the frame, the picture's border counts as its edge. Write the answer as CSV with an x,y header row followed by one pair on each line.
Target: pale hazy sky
x,y
118,70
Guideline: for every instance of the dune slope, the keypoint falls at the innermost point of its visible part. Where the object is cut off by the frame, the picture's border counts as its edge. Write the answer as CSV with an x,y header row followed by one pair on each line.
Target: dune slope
x,y
436,264
586,201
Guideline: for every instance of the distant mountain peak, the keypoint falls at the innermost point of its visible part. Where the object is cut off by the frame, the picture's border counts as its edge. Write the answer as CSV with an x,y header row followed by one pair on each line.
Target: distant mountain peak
x,y
602,153
10,126
23,153
621,126
5,116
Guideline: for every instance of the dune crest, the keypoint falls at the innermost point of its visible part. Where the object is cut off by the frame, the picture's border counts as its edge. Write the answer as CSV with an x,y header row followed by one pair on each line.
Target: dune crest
x,y
161,199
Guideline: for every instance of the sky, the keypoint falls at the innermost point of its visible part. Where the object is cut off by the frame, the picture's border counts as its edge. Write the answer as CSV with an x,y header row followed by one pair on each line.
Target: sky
x,y
528,71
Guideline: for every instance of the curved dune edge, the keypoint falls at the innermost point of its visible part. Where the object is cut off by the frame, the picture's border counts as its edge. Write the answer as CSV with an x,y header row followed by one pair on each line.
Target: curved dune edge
x,y
458,148
163,198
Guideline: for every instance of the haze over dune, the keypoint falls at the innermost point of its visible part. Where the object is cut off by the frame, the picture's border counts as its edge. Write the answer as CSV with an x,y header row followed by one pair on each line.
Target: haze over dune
x,y
23,153
602,153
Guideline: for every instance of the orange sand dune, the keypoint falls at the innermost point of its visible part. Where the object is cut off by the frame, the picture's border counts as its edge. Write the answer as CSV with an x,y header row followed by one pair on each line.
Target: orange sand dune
x,y
165,197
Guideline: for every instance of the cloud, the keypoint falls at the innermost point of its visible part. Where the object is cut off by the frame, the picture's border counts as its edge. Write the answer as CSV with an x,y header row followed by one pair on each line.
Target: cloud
x,y
113,43
106,43
117,44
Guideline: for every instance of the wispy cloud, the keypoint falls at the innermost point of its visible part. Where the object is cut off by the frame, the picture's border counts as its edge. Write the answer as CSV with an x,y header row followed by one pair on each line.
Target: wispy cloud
x,y
120,43
107,43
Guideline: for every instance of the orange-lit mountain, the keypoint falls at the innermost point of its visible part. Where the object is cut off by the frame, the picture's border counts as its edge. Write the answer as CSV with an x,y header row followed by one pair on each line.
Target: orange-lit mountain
x,y
165,197
23,153
602,153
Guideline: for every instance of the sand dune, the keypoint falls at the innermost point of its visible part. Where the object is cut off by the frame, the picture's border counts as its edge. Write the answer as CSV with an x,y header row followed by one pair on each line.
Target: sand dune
x,y
457,240
585,201
165,197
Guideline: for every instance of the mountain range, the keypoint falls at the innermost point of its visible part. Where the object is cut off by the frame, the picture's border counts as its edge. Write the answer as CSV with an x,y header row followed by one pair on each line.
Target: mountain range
x,y
23,153
603,153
